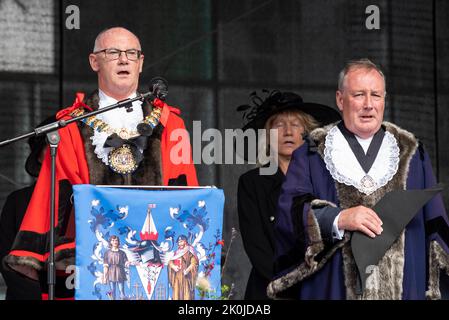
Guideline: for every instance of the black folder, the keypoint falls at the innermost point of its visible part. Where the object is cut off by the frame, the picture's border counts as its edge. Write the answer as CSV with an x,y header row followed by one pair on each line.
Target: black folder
x,y
396,209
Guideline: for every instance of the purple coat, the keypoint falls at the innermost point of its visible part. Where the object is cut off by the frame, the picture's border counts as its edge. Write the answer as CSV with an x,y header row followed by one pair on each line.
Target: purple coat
x,y
307,179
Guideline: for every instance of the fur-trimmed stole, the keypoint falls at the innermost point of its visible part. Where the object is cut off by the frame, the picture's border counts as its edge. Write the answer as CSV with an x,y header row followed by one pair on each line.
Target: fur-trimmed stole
x,y
385,282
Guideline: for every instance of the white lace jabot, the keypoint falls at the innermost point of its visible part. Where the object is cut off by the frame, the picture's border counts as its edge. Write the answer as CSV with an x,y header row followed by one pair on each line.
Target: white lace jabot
x,y
116,118
344,167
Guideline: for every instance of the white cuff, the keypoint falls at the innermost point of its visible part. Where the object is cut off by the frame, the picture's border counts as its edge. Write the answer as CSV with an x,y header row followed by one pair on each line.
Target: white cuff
x,y
337,234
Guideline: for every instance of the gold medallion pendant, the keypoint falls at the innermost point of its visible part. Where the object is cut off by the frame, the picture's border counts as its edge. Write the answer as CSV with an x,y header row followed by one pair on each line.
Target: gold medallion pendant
x,y
121,160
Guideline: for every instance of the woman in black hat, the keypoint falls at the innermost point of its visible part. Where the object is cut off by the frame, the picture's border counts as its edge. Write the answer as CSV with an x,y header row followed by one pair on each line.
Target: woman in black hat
x,y
258,194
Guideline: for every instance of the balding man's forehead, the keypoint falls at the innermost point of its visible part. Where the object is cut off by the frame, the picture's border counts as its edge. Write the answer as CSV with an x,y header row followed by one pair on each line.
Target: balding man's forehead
x,y
364,71
117,35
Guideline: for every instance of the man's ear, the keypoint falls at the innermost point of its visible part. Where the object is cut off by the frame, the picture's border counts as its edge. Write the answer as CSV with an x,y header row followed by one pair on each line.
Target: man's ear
x,y
141,63
339,100
94,62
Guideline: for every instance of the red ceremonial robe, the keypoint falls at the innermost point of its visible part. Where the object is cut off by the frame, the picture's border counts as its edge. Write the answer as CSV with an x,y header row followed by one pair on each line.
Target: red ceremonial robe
x,y
30,250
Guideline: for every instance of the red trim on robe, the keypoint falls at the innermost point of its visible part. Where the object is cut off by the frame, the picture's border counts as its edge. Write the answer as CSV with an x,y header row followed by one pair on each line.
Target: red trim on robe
x,y
71,164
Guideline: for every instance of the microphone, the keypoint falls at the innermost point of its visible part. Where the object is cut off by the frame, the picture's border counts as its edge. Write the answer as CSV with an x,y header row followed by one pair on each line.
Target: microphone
x,y
159,88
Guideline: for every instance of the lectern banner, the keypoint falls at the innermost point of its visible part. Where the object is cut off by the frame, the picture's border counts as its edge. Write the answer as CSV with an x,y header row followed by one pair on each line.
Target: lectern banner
x,y
134,244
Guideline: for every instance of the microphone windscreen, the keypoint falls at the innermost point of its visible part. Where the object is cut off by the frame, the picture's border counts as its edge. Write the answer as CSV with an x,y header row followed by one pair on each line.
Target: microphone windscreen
x,y
159,87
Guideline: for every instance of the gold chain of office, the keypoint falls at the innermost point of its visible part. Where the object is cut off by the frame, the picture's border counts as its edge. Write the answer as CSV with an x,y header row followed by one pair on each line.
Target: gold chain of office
x,y
121,160
99,125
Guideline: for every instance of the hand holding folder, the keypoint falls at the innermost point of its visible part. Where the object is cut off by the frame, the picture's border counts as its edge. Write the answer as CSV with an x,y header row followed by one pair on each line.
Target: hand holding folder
x,y
396,209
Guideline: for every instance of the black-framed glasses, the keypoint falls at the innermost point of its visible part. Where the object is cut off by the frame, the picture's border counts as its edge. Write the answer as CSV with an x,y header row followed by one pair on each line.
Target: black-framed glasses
x,y
114,54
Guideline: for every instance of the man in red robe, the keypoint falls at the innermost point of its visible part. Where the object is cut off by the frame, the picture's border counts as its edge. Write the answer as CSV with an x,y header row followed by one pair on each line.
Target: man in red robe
x,y
106,149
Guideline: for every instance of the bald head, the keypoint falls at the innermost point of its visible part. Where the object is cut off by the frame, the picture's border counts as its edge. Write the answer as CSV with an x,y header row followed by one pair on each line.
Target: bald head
x,y
118,76
115,32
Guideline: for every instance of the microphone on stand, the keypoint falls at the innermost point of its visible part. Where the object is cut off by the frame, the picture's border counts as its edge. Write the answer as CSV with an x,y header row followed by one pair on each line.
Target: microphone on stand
x,y
159,90
159,87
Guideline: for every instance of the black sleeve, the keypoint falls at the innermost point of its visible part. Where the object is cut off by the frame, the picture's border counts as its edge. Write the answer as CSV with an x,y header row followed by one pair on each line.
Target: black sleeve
x,y
12,216
18,286
8,229
325,217
181,180
255,239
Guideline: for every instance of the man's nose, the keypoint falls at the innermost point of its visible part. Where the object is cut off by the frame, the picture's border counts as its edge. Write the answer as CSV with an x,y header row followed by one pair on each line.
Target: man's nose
x,y
122,57
368,102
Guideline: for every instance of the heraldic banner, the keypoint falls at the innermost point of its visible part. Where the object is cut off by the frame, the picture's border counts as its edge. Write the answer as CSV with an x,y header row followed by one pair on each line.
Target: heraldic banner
x,y
148,245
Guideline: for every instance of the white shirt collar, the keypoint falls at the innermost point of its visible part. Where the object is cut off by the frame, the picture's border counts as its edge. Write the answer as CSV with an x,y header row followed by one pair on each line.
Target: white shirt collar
x,y
120,118
364,142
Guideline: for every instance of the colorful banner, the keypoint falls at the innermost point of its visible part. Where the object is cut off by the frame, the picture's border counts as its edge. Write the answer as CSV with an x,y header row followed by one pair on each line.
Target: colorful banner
x,y
148,245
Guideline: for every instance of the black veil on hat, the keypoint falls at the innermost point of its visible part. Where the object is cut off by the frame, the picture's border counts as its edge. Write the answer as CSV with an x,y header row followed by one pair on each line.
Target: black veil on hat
x,y
255,116
37,144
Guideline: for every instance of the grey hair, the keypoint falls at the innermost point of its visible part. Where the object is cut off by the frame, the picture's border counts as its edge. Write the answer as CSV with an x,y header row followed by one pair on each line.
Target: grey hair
x,y
97,39
363,63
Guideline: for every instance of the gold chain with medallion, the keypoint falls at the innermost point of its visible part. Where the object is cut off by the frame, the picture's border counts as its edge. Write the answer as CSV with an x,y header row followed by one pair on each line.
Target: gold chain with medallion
x,y
121,159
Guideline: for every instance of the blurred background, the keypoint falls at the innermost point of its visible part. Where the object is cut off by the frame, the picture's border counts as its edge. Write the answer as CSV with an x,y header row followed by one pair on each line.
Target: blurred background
x,y
214,54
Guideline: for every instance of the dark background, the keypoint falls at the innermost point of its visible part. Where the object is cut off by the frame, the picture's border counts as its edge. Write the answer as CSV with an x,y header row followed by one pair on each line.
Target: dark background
x,y
214,53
